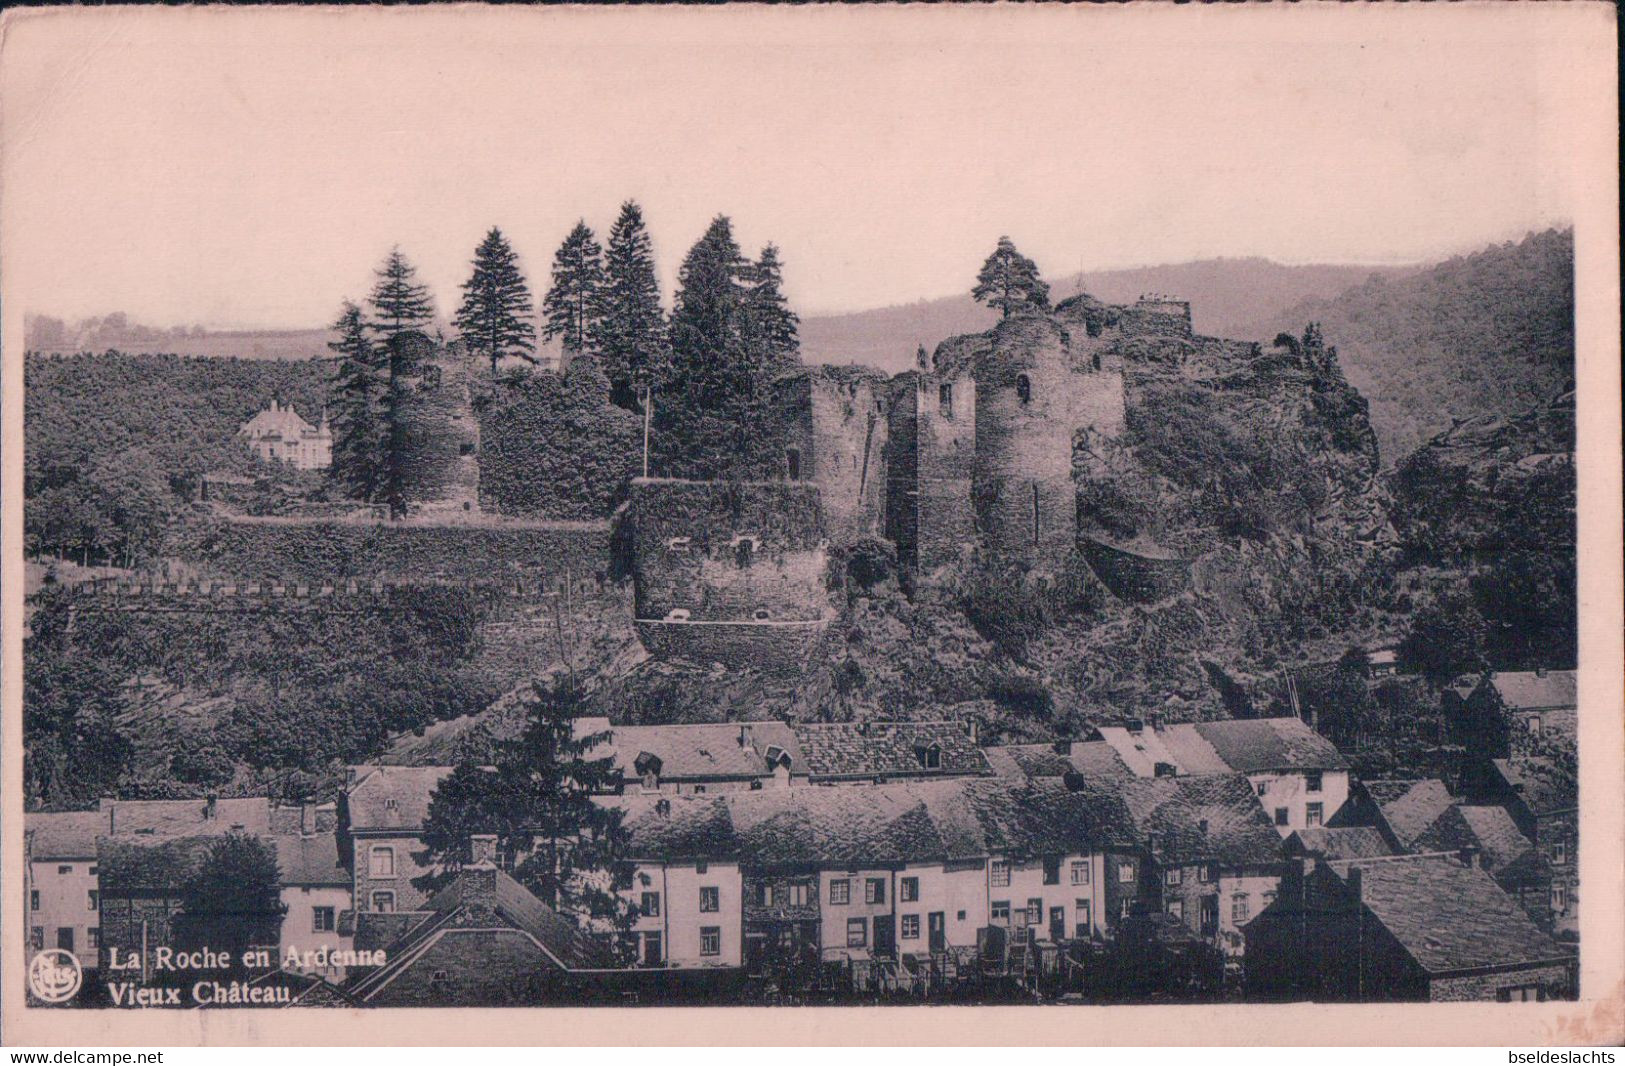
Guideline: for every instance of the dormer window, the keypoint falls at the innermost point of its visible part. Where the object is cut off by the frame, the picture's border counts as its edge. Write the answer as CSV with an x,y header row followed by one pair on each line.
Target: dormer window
x,y
647,767
1024,389
945,400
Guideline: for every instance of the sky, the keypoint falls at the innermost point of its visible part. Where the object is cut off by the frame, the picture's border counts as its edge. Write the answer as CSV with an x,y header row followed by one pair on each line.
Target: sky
x,y
250,168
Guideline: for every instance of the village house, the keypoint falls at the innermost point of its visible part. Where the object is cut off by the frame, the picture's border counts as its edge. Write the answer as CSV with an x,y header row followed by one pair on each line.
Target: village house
x,y
1513,712
1300,778
1430,927
317,890
1540,796
279,435
382,814
1400,809
64,909
1338,842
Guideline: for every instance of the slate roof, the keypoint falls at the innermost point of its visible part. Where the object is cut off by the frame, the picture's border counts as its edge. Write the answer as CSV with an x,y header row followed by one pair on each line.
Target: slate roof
x,y
1094,759
1354,842
701,751
1172,810
1449,916
64,834
1241,745
310,860
276,421
1543,786
1489,829
178,817
850,749
1527,690
1409,807
392,797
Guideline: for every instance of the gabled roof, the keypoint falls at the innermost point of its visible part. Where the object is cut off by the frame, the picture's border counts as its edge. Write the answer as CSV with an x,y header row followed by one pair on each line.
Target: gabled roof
x,y
392,797
1241,745
1202,819
1543,785
1447,915
310,860
1095,759
1353,842
700,751
889,749
1489,829
64,834
276,421
1530,690
176,817
1409,807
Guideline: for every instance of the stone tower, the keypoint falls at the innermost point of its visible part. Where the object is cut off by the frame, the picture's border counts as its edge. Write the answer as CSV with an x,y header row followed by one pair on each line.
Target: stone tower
x,y
836,430
1027,401
442,451
930,452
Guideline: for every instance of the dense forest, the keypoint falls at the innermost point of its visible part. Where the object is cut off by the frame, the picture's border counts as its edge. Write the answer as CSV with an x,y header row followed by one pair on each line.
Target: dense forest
x,y
1485,334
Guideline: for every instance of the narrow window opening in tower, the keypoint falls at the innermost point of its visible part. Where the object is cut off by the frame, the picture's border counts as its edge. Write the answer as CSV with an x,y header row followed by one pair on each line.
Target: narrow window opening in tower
x,y
1035,514
1024,389
743,553
792,458
945,400
1097,361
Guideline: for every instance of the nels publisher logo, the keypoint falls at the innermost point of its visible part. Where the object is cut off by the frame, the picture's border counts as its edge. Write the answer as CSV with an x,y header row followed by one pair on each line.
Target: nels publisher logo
x,y
54,976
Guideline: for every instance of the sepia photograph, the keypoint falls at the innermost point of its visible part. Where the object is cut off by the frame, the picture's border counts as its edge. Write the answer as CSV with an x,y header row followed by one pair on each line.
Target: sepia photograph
x,y
881,507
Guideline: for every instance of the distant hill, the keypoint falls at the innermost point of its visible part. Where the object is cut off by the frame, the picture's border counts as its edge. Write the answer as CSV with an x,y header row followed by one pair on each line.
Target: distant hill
x,y
1488,334
1226,296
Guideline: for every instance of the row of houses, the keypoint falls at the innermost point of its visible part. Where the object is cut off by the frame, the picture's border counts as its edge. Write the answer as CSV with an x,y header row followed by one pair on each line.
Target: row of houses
x,y
898,848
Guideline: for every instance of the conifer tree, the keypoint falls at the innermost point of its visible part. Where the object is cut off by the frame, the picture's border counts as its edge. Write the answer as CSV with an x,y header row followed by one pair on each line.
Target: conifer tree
x,y
536,796
630,330
575,299
399,303
356,393
494,317
232,900
1009,281
771,323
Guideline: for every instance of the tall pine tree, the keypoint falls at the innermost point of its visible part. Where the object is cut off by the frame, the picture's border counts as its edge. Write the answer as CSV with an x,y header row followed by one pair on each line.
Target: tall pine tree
x,y
399,303
355,396
494,317
713,415
1009,281
771,325
575,299
630,331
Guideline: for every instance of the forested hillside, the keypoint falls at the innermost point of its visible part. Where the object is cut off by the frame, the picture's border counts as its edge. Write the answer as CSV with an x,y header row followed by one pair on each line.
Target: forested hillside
x,y
1485,334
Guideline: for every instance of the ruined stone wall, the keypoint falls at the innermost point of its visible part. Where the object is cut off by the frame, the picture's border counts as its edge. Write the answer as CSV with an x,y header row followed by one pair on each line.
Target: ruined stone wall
x,y
930,464
728,551
1155,316
442,445
837,429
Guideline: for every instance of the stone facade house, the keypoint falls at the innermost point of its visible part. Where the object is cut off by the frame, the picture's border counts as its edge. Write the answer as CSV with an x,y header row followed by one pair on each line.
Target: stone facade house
x,y
1513,712
278,434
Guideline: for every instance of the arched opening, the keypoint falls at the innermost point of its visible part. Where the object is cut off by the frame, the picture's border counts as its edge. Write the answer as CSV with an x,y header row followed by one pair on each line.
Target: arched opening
x,y
945,400
1024,389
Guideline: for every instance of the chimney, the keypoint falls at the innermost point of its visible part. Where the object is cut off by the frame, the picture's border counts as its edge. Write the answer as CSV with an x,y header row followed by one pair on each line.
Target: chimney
x,y
1540,671
1471,855
975,732
1154,720
744,736
210,807
1135,725
112,817
482,849
1356,884
307,817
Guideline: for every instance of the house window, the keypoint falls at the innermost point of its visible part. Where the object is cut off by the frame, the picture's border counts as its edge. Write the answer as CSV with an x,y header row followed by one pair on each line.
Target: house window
x,y
1521,994
874,890
651,905
857,932
91,871
1035,912
945,400
33,900
93,938
930,757
36,937
1534,724
1268,898
1080,915
1282,816
381,861
840,892
909,889
1176,909
1313,814
1238,908
652,953
64,938
94,899
1560,853
710,940
710,899
1080,873
798,895
1312,782
1126,908
1263,788
1125,872
1000,872
1173,876
1052,871
1204,873
65,869
321,919
911,927
1560,898
764,895
999,913
383,902
702,868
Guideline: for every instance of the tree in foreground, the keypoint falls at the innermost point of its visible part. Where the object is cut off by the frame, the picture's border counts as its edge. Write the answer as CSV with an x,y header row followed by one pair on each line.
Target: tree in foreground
x,y
575,298
355,393
399,302
233,899
494,316
535,797
1009,281
770,322
630,330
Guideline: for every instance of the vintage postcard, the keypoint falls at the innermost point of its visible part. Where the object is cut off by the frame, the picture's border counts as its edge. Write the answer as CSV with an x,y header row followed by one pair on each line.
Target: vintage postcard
x,y
804,515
